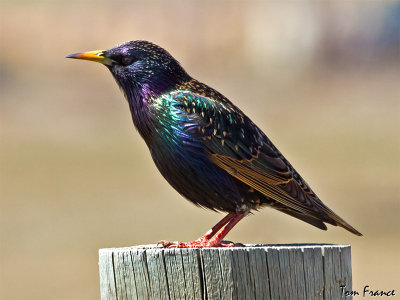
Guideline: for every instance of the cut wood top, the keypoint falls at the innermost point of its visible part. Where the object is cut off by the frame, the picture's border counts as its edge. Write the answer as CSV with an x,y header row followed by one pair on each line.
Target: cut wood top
x,y
278,271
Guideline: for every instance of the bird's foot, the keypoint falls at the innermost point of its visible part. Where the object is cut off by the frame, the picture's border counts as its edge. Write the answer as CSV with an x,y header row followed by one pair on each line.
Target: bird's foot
x,y
200,243
211,238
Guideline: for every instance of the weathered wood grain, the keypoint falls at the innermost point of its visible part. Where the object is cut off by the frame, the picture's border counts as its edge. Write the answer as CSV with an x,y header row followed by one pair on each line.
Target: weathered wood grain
x,y
300,271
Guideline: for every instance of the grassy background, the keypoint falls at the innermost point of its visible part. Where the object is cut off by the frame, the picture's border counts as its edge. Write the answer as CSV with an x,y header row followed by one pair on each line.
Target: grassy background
x,y
322,80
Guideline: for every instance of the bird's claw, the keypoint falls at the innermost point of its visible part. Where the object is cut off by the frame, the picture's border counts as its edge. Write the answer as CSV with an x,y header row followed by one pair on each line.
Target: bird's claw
x,y
201,243
230,244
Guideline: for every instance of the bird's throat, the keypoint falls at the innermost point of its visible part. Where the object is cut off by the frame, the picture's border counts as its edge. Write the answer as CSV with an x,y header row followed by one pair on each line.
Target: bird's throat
x,y
138,98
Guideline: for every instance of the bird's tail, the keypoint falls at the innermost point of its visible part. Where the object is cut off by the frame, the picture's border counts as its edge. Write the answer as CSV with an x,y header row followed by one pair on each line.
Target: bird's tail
x,y
330,217
338,221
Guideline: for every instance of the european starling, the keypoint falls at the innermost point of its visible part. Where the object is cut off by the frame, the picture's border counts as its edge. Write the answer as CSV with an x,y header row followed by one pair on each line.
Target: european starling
x,y
205,146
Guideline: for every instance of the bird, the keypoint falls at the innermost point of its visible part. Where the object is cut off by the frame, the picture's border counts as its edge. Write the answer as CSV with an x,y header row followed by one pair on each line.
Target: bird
x,y
206,148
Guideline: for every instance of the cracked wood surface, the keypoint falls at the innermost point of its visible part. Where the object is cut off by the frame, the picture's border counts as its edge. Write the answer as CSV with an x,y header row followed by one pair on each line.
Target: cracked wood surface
x,y
298,271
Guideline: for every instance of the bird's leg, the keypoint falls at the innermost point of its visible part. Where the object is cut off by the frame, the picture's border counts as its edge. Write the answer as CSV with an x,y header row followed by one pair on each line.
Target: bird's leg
x,y
217,241
208,239
209,234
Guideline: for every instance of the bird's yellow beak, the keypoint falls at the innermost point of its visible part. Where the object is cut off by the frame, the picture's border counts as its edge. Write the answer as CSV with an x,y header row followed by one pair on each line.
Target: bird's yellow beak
x,y
93,56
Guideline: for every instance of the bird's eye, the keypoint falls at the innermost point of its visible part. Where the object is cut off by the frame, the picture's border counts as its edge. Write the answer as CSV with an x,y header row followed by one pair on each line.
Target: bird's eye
x,y
127,60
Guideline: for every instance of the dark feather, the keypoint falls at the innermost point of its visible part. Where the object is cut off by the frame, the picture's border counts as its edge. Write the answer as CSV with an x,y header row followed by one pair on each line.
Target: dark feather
x,y
235,144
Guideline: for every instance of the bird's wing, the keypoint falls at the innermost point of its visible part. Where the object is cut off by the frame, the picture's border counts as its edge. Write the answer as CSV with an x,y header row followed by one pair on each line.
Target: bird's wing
x,y
238,146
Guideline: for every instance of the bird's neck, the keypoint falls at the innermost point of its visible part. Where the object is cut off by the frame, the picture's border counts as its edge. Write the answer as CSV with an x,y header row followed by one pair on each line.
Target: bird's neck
x,y
140,97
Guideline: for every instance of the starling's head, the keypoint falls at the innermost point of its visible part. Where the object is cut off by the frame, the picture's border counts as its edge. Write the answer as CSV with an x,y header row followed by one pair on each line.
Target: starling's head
x,y
139,65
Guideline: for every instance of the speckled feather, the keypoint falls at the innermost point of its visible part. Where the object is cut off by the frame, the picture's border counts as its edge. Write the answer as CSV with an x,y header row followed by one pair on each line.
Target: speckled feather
x,y
205,146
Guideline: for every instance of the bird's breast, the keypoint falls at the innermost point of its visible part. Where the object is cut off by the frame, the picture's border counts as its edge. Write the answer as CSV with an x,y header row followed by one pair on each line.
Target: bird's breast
x,y
189,170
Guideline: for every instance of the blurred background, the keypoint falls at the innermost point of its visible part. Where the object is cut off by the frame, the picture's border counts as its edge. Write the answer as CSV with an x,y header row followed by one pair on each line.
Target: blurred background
x,y
320,78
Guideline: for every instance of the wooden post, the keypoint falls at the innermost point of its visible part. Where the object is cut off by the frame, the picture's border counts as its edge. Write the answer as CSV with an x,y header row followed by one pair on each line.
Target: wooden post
x,y
300,271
